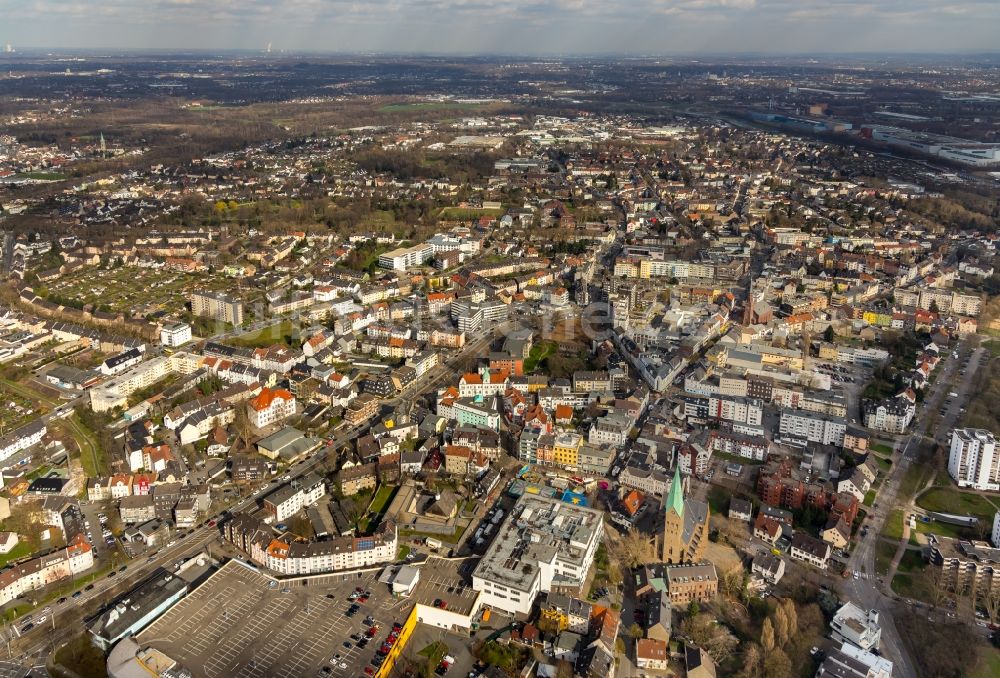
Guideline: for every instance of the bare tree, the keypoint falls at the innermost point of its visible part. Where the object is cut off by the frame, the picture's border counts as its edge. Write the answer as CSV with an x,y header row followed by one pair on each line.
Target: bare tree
x,y
733,581
939,586
781,629
752,661
767,636
989,597
777,664
788,607
243,427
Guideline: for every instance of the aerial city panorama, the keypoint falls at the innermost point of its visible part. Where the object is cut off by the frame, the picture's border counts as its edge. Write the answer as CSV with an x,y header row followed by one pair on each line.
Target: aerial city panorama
x,y
546,339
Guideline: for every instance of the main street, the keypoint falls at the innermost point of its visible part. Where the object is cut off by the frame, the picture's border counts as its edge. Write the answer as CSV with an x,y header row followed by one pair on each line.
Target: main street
x,y
871,592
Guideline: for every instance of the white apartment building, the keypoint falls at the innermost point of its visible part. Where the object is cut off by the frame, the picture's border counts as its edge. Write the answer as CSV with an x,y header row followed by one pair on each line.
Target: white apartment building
x,y
292,497
543,545
973,460
304,558
406,257
114,393
609,430
813,427
21,439
218,306
270,407
40,572
175,334
471,411
736,409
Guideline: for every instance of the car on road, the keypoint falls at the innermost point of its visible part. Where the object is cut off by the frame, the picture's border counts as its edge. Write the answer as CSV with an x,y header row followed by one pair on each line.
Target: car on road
x,y
88,587
77,594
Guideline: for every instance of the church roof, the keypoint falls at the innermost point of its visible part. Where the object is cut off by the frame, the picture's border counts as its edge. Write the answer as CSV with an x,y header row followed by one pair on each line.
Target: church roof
x,y
675,499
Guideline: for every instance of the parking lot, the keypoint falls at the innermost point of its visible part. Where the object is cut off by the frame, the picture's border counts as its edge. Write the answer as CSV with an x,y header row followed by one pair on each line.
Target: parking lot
x,y
241,623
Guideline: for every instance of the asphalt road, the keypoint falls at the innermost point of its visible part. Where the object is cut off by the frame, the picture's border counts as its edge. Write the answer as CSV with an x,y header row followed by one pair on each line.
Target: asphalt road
x,y
870,592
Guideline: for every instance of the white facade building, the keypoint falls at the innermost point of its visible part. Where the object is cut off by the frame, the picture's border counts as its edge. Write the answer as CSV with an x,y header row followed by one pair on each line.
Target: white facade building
x,y
175,334
851,624
544,544
973,460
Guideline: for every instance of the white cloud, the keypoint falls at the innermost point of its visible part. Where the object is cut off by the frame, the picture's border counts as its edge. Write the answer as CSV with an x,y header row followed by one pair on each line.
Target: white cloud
x,y
514,26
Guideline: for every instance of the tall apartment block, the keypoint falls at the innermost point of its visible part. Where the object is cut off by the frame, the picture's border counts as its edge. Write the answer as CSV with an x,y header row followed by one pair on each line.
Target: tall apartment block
x,y
218,306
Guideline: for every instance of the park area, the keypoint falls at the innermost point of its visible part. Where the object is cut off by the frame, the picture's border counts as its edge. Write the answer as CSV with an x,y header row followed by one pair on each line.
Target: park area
x,y
284,332
951,500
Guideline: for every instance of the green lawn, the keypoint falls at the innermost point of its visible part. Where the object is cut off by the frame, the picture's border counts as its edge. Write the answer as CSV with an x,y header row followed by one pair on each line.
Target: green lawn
x,y
942,529
881,448
916,586
539,352
91,453
20,551
402,552
988,665
43,176
382,498
911,562
950,500
446,538
914,479
266,336
993,347
884,553
429,106
869,498
465,213
434,652
893,528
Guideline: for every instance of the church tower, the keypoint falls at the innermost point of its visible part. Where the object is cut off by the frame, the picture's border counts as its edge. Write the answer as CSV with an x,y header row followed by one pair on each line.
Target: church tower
x,y
674,548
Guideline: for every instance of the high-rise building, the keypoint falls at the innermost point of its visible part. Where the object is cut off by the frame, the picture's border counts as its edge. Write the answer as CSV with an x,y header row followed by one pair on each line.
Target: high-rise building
x,y
973,460
218,306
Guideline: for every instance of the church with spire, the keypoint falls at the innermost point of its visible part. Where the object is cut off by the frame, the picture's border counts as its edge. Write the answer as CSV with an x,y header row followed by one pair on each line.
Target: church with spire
x,y
685,525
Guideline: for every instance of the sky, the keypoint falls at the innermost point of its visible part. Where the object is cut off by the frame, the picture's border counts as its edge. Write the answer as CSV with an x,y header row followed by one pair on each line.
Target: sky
x,y
508,27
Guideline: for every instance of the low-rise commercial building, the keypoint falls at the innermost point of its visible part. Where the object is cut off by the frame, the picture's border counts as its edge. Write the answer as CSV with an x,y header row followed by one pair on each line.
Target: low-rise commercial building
x,y
851,624
543,545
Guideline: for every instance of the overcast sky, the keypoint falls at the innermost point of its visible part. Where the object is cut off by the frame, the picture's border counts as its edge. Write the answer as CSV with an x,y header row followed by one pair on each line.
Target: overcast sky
x,y
508,27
